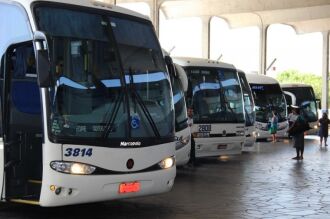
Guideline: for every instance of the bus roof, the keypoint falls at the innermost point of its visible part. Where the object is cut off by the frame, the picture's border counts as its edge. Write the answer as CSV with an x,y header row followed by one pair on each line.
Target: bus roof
x,y
260,79
187,61
84,3
289,85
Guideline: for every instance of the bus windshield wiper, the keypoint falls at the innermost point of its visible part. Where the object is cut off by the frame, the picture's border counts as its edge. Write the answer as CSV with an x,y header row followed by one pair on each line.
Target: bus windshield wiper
x,y
109,116
110,120
144,108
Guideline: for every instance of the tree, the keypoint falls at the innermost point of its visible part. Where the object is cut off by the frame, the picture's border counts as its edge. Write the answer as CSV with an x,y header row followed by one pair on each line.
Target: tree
x,y
294,76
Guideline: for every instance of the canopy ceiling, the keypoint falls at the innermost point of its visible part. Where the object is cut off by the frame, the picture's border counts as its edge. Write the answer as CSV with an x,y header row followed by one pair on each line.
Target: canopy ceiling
x,y
303,15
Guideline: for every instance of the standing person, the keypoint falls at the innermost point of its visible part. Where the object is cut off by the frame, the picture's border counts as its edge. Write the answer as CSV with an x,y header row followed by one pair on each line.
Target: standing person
x,y
192,159
298,137
292,116
190,114
273,126
324,126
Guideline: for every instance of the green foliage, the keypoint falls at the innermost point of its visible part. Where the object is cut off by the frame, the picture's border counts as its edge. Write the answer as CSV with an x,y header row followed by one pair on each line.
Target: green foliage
x,y
294,76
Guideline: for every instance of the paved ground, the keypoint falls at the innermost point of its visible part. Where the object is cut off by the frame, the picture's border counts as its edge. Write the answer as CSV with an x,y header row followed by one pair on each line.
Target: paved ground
x,y
266,184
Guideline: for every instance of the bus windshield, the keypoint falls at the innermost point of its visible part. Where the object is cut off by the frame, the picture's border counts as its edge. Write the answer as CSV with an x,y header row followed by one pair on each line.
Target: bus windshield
x,y
305,99
181,117
248,100
110,79
216,95
268,97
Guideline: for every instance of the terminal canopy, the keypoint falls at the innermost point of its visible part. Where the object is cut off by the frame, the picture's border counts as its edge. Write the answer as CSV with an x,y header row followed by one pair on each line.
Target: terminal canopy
x,y
303,15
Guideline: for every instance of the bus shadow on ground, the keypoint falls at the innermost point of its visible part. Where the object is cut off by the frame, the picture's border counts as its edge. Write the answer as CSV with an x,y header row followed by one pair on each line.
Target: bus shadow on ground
x,y
111,209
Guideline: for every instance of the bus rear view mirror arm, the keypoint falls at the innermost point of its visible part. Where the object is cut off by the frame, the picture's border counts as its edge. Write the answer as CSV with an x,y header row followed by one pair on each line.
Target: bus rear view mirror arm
x,y
42,59
318,102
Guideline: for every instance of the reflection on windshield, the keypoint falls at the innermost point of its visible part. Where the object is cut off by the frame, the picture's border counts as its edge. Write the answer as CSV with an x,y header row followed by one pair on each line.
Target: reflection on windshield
x,y
216,95
305,99
179,105
248,100
110,79
309,110
111,83
268,98
249,110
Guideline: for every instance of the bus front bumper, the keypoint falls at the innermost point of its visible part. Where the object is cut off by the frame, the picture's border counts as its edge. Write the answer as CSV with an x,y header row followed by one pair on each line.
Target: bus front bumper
x,y
207,147
77,189
182,155
249,144
265,134
314,128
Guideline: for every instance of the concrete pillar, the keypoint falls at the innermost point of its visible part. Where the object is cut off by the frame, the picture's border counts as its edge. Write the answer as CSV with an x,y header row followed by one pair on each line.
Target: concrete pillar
x,y
206,36
325,71
154,14
263,49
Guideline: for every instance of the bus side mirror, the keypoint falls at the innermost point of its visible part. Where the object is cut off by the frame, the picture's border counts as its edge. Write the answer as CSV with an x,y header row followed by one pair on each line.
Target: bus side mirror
x,y
182,76
42,59
170,65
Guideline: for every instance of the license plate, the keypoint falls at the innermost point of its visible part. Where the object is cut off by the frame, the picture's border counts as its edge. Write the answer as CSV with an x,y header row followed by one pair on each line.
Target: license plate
x,y
203,134
222,146
129,187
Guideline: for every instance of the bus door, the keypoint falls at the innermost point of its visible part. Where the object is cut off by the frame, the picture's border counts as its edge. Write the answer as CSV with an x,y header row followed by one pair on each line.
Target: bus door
x,y
22,124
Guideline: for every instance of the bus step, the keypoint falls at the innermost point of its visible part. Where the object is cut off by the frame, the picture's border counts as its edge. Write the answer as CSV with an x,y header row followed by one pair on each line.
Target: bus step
x,y
33,181
25,201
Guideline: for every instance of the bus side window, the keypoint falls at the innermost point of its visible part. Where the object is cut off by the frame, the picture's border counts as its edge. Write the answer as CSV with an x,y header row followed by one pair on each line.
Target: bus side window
x,y
25,107
24,81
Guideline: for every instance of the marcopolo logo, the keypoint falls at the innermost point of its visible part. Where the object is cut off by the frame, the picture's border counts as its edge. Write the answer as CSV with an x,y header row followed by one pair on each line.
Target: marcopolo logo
x,y
130,144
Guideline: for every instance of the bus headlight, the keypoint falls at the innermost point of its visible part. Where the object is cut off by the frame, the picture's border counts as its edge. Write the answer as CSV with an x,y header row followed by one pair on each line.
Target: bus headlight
x,y
182,142
72,167
167,163
185,140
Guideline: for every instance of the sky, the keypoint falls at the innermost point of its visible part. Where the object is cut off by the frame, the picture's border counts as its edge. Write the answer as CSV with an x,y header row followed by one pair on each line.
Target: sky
x,y
240,46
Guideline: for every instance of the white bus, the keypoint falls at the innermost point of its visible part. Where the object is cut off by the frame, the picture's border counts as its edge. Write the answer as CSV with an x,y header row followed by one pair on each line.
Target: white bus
x,y
215,95
268,96
302,95
87,108
182,130
249,111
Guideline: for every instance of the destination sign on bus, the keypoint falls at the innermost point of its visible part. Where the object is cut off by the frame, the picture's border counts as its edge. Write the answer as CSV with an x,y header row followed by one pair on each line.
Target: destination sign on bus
x,y
257,87
199,71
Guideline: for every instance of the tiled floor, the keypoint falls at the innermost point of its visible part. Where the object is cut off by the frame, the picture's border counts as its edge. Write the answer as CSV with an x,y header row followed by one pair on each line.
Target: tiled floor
x,y
265,184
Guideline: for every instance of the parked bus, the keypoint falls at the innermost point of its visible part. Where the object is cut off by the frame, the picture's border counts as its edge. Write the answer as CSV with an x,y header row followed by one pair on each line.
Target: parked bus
x,y
215,95
182,130
86,104
249,111
302,95
268,97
